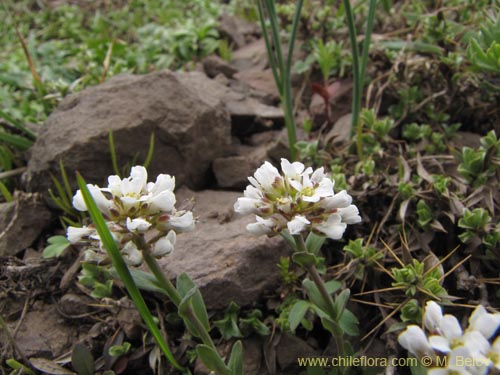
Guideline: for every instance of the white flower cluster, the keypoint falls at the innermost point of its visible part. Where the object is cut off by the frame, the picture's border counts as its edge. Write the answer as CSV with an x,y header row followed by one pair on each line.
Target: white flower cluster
x,y
455,351
133,207
299,200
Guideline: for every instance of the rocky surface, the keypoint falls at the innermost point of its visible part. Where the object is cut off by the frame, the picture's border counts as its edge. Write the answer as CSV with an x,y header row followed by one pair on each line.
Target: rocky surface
x,y
190,130
22,222
223,259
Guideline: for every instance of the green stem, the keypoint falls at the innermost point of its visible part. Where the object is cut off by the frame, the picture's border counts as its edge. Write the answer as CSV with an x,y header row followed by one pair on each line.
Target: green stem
x,y
171,291
327,298
356,99
366,41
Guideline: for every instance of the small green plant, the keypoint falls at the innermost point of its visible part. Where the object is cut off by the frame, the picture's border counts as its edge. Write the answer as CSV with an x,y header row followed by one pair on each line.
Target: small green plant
x,y
484,49
424,214
98,278
411,312
413,278
364,257
477,225
477,166
228,326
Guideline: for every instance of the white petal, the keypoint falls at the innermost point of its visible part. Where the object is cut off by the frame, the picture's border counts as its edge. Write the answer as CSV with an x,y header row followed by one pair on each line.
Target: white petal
x,y
440,343
291,170
266,175
138,179
414,340
350,214
161,201
325,188
246,205
261,227
183,223
298,225
476,343
163,182
165,245
339,200
75,234
131,254
103,204
484,322
115,185
450,327
138,225
318,176
78,201
333,227
432,316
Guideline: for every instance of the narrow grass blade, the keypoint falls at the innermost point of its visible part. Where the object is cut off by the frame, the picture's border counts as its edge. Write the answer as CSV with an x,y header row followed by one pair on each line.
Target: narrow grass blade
x,y
15,140
123,271
17,124
112,151
5,192
151,151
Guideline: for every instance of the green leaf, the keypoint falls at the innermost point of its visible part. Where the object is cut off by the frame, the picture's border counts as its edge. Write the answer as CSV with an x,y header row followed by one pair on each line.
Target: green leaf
x,y
211,359
236,359
57,244
305,259
82,360
333,327
341,301
297,313
332,286
184,285
314,294
13,364
144,280
119,350
349,323
314,242
228,326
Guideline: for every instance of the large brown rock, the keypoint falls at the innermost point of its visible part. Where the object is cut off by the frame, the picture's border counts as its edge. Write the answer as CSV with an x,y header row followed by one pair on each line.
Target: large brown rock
x,y
21,222
190,129
224,260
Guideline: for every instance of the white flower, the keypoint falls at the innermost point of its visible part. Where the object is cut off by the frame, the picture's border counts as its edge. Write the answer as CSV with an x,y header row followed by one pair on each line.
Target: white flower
x,y
414,340
266,177
138,225
182,223
432,316
454,364
134,207
450,331
132,255
103,204
300,200
262,226
333,227
484,322
350,214
297,225
76,235
164,245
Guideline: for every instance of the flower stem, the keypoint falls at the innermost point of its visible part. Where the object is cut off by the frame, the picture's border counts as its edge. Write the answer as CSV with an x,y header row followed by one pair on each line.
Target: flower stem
x,y
327,298
171,291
